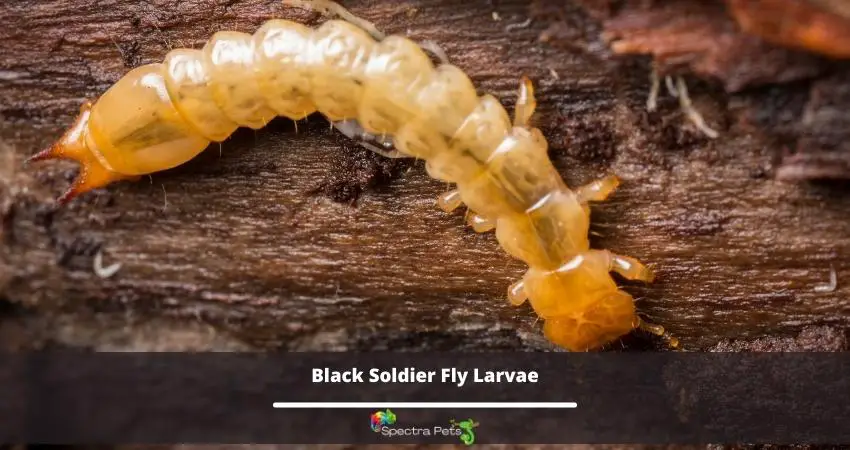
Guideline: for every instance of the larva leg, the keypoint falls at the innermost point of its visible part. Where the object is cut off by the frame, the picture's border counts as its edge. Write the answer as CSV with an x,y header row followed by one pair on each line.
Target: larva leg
x,y
657,330
525,103
332,8
449,201
435,49
479,223
516,293
598,190
355,132
630,268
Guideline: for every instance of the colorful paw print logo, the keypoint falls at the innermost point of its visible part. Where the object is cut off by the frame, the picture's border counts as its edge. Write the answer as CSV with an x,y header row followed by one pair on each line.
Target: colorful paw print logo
x,y
380,419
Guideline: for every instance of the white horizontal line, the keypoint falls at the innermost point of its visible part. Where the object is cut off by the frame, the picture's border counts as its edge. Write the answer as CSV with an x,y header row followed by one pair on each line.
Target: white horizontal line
x,y
424,405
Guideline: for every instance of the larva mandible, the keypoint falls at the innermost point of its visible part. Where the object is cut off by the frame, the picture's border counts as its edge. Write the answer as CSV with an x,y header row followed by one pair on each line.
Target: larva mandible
x,y
159,116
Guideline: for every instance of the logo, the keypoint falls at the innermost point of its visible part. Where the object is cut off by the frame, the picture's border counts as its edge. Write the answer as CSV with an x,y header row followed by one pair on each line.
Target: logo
x,y
467,436
380,419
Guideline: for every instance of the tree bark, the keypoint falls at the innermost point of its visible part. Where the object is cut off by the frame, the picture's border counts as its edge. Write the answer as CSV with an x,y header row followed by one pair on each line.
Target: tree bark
x,y
296,238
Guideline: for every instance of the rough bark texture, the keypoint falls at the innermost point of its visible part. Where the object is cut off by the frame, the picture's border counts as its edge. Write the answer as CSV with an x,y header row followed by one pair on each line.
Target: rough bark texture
x,y
703,38
260,243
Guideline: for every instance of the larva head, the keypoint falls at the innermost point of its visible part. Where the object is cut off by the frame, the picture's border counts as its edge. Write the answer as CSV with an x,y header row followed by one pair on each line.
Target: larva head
x,y
73,146
600,323
581,304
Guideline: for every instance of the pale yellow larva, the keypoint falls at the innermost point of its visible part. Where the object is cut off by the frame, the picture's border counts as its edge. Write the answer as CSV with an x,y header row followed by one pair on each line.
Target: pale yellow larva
x,y
159,116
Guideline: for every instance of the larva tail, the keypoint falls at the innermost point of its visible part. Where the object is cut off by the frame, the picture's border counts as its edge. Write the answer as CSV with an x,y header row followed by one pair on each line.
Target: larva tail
x,y
72,146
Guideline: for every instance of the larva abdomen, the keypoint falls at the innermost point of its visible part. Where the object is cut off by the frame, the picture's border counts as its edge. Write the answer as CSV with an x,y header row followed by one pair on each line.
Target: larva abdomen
x,y
397,70
243,80
282,70
188,82
199,96
230,60
337,59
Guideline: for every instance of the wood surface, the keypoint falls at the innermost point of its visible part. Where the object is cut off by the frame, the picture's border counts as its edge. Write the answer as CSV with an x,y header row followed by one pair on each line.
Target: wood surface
x,y
302,240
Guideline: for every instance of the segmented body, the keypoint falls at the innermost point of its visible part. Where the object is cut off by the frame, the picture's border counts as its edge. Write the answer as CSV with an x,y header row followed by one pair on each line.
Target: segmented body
x,y
161,115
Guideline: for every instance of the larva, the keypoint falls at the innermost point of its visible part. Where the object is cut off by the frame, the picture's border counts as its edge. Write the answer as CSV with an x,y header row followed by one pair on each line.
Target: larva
x,y
159,116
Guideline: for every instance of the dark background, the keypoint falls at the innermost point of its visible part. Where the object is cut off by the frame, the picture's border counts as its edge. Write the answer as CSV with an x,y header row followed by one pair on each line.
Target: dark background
x,y
656,398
